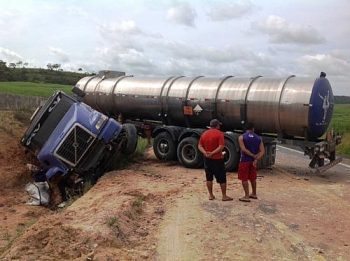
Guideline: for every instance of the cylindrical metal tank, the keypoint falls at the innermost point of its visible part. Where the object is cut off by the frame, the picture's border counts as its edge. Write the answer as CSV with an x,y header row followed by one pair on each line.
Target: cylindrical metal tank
x,y
288,106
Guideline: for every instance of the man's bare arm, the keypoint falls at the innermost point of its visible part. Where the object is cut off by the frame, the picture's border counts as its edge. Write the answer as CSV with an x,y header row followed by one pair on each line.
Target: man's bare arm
x,y
201,149
261,151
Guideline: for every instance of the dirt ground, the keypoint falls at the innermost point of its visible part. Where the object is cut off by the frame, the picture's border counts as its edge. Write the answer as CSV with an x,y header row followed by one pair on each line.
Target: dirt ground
x,y
155,210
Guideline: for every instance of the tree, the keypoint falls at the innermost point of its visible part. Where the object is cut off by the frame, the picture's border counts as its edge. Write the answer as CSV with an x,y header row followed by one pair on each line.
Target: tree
x,y
12,65
49,66
2,64
25,64
80,69
19,63
3,71
56,66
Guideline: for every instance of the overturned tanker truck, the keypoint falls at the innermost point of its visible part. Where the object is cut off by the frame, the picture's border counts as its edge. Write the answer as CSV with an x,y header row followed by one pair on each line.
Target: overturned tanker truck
x,y
176,110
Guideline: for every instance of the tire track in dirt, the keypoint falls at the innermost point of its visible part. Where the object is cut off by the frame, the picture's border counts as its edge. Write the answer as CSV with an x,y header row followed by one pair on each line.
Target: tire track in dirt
x,y
280,225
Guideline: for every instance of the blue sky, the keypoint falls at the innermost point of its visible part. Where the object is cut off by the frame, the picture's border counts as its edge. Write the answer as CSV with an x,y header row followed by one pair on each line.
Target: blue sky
x,y
214,38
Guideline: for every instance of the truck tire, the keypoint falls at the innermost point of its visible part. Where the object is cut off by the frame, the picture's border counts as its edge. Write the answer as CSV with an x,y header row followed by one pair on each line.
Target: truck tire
x,y
189,154
320,162
164,146
131,139
231,156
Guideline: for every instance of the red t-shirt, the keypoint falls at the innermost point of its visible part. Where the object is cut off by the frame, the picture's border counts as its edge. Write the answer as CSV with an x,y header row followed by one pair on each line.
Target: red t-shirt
x,y
210,140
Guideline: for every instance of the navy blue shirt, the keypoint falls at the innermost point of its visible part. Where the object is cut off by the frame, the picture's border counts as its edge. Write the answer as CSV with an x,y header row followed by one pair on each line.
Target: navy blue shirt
x,y
252,143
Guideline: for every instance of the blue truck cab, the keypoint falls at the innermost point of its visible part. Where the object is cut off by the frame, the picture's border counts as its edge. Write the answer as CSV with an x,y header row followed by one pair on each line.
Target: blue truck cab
x,y
67,135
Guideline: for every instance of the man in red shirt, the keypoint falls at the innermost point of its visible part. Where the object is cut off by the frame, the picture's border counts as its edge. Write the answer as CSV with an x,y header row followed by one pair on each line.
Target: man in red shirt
x,y
211,144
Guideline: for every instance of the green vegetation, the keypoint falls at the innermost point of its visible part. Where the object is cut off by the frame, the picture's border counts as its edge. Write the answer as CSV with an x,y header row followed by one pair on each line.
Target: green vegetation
x,y
111,221
341,99
344,147
114,223
17,72
125,161
33,89
341,124
341,118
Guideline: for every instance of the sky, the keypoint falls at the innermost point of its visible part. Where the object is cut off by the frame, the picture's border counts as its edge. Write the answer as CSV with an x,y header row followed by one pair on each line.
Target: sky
x,y
271,38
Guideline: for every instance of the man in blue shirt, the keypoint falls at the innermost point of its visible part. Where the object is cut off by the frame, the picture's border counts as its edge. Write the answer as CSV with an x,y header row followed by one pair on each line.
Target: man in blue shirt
x,y
252,149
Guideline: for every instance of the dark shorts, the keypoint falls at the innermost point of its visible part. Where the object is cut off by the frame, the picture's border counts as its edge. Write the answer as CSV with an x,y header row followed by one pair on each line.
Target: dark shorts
x,y
246,171
215,168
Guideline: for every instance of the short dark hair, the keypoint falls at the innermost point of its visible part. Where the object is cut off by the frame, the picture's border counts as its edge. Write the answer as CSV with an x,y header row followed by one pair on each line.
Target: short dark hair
x,y
215,123
249,126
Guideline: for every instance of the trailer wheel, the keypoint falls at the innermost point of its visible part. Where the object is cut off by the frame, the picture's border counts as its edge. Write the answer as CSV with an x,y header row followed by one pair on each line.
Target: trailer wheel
x,y
231,156
316,162
320,162
130,143
189,154
164,146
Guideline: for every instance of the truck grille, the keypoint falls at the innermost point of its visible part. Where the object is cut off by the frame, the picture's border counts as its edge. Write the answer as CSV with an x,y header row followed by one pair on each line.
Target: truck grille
x,y
75,145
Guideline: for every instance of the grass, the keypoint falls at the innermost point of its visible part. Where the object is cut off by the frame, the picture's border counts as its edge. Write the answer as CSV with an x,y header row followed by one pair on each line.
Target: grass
x,y
341,124
33,89
113,223
124,161
11,125
23,116
138,203
344,147
341,118
136,207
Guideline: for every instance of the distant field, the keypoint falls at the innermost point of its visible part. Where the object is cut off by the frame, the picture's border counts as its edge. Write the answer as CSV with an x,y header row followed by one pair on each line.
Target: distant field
x,y
341,118
341,124
33,89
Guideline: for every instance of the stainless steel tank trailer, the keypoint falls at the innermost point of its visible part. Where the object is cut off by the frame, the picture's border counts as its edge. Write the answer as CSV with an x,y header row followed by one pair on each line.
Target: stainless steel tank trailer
x,y
175,110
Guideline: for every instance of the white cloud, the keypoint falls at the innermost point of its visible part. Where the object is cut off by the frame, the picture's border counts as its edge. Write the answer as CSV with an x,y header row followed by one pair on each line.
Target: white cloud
x,y
77,11
123,27
136,59
129,60
182,50
230,10
60,55
9,56
280,31
341,54
121,37
182,13
328,63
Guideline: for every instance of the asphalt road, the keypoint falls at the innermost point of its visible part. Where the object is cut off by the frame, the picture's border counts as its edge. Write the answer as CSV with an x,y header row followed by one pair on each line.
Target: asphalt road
x,y
297,156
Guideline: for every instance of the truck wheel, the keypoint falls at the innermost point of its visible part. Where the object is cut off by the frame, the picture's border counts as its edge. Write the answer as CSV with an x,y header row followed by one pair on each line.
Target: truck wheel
x,y
131,138
231,156
164,146
189,154
320,162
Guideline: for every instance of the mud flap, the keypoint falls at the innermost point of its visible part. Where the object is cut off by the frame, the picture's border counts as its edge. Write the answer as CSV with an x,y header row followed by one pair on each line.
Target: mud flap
x,y
322,169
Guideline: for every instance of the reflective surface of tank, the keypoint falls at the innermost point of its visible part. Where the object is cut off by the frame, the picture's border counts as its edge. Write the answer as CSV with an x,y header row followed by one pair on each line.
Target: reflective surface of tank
x,y
290,106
